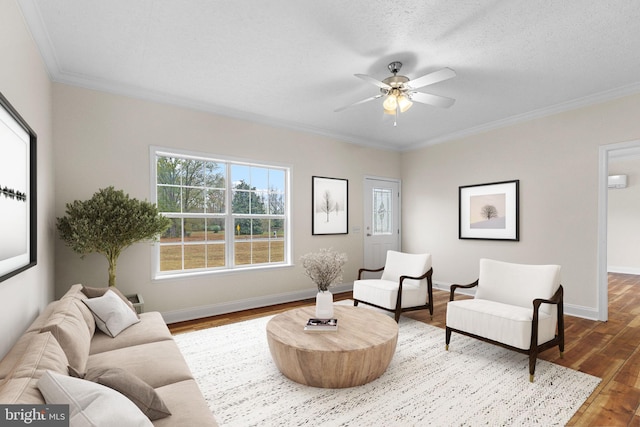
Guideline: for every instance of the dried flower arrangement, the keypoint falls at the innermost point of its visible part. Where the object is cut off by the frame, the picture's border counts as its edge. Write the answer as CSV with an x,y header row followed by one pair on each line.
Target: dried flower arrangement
x,y
324,267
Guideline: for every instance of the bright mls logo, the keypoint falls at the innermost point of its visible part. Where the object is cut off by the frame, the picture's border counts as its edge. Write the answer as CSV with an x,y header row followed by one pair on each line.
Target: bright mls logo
x,y
34,415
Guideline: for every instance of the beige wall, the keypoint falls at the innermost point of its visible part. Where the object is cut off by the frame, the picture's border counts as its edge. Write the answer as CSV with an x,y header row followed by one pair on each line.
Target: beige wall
x,y
104,139
623,238
24,82
556,160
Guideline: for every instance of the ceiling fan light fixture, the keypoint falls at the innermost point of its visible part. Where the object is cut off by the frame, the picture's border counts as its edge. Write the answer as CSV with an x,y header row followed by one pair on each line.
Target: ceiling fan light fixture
x,y
404,103
391,102
400,93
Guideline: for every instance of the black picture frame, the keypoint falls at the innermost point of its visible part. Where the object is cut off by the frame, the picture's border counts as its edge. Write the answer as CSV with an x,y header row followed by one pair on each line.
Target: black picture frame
x,y
329,205
18,195
489,211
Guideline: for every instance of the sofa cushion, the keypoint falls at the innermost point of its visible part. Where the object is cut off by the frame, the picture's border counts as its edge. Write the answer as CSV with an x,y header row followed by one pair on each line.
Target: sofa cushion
x,y
112,315
132,387
517,284
193,411
158,363
151,328
15,353
98,292
90,404
42,353
21,391
508,324
75,292
42,318
68,326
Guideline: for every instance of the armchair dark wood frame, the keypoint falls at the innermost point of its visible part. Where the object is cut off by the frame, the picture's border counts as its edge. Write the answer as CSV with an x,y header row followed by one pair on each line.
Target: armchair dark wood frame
x,y
399,309
534,348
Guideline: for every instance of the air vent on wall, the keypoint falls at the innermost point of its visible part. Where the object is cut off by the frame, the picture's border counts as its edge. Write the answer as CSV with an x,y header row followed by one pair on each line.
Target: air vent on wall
x,y
617,181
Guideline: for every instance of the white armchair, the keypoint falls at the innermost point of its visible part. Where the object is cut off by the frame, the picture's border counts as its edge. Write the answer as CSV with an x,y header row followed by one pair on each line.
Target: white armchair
x,y
516,306
405,284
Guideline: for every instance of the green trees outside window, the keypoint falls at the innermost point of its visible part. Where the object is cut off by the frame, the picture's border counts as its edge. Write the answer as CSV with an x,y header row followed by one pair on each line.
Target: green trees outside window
x,y
223,214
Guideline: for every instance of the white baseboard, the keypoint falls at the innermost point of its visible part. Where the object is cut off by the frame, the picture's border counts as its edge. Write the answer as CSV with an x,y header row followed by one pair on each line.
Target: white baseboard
x,y
200,312
588,313
175,316
623,270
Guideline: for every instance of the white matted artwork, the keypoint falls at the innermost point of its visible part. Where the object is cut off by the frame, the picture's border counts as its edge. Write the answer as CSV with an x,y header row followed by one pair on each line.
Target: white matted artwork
x,y
17,192
489,211
330,205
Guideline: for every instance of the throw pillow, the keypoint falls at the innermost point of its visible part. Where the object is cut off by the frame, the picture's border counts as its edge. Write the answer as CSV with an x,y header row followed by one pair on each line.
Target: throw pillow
x,y
98,292
90,404
136,390
111,313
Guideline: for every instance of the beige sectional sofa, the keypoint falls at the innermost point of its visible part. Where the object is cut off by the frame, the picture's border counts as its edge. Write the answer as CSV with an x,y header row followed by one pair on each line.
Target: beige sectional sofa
x,y
65,335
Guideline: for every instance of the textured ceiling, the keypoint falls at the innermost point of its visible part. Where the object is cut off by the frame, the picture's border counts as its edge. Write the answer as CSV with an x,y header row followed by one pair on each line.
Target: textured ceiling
x,y
291,63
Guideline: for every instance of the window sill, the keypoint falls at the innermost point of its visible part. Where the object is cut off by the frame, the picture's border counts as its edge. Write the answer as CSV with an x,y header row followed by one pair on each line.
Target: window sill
x,y
159,278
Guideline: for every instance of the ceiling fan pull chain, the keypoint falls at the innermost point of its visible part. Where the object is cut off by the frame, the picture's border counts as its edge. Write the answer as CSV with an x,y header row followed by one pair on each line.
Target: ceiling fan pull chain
x,y
395,117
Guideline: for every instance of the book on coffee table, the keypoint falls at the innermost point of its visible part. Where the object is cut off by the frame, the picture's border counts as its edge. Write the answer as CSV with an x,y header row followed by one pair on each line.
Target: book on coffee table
x,y
321,325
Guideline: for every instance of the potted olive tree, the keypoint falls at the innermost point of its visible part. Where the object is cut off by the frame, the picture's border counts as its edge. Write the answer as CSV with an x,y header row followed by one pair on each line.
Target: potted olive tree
x,y
108,223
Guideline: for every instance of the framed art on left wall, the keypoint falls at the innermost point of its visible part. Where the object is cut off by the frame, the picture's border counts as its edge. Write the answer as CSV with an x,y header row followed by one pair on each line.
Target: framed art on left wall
x,y
17,192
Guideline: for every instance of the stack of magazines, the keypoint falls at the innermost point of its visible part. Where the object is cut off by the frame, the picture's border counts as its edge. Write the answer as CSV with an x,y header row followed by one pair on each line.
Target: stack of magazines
x,y
321,325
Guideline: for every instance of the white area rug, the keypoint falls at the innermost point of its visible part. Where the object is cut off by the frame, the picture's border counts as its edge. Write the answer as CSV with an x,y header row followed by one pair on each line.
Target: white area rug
x,y
472,384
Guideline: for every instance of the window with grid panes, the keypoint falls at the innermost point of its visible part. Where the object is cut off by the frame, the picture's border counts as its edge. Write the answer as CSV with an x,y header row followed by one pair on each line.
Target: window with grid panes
x,y
226,215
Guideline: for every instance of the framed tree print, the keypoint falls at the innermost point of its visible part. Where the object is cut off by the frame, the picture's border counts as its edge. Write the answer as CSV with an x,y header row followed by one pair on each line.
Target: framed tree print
x,y
330,205
489,211
17,192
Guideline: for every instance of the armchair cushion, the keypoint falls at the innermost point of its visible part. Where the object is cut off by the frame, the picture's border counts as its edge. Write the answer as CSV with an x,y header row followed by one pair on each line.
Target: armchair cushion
x,y
383,292
517,284
403,264
508,324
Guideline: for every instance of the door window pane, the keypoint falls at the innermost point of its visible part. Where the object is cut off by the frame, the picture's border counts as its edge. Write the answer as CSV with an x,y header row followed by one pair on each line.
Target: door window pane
x,y
382,212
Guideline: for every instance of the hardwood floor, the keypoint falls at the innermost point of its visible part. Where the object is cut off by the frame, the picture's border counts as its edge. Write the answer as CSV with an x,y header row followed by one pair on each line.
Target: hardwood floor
x,y
609,350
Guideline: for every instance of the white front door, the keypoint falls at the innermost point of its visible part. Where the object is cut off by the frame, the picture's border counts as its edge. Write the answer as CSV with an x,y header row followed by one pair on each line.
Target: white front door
x,y
381,221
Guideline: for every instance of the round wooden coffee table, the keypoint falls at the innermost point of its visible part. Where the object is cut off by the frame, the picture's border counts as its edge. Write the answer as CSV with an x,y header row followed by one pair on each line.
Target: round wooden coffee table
x,y
357,353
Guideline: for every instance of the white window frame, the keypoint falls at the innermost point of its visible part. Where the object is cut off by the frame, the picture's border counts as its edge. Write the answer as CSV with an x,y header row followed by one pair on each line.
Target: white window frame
x,y
229,216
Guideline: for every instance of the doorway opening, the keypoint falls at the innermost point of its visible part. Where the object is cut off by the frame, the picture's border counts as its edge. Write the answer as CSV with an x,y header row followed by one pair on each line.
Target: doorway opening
x,y
607,152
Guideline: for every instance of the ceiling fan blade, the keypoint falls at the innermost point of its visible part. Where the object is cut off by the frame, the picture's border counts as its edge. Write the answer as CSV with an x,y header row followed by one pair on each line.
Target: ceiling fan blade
x,y
337,110
373,81
429,79
436,100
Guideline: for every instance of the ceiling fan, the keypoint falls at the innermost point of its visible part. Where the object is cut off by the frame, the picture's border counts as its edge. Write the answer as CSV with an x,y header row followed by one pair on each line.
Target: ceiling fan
x,y
400,92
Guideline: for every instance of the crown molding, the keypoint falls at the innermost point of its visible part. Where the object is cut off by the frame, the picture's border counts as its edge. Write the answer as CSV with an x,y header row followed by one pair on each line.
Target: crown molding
x,y
575,104
153,96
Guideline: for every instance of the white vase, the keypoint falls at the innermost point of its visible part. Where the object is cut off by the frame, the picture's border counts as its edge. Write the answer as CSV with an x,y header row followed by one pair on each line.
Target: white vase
x,y
324,305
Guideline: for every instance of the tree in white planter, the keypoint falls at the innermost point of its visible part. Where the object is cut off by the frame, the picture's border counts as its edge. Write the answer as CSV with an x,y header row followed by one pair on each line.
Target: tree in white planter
x,y
108,223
